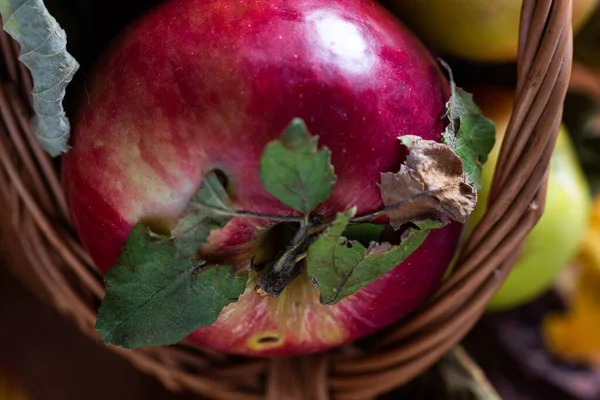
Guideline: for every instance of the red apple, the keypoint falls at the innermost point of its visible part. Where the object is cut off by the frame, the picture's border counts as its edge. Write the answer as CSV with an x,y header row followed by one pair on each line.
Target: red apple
x,y
202,85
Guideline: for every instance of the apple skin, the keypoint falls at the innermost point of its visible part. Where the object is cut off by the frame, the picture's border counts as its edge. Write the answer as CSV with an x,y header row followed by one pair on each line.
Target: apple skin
x,y
477,30
199,85
554,241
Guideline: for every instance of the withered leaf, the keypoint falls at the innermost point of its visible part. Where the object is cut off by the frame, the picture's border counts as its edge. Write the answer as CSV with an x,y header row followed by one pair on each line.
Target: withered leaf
x,y
430,183
194,227
339,267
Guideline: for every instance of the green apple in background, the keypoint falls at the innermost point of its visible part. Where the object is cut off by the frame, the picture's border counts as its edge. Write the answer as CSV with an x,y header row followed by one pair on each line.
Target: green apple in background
x,y
478,30
585,46
554,241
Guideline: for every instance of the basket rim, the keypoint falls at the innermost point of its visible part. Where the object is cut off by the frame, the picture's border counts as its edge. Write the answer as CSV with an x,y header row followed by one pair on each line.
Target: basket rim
x,y
61,268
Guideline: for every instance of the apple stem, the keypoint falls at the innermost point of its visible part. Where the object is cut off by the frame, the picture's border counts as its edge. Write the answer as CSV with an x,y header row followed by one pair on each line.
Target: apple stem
x,y
250,214
287,267
369,217
300,257
292,251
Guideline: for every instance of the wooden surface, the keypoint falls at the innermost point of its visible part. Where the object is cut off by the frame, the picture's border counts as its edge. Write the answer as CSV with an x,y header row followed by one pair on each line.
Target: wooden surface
x,y
56,362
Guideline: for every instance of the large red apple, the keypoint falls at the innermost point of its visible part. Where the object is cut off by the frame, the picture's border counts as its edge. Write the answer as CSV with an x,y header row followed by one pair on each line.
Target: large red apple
x,y
199,85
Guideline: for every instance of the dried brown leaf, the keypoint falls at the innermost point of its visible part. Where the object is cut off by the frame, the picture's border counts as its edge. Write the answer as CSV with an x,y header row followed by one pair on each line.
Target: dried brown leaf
x,y
430,183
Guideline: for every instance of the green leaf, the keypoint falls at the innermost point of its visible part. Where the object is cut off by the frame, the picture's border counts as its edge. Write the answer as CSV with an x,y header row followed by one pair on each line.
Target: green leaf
x,y
294,171
191,232
339,267
209,212
469,133
475,140
212,193
460,104
43,51
154,299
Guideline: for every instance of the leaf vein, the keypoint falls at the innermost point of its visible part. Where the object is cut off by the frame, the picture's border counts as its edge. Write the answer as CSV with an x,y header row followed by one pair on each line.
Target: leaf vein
x,y
145,302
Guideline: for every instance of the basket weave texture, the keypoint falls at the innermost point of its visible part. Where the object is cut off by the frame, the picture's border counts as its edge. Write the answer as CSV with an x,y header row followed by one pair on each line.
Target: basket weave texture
x,y
43,250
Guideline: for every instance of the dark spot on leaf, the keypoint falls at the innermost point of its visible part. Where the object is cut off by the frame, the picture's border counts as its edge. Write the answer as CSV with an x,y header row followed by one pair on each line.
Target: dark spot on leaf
x,y
196,271
347,243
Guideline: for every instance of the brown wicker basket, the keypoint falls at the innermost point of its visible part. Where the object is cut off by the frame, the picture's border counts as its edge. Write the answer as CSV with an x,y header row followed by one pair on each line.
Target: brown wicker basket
x,y
43,250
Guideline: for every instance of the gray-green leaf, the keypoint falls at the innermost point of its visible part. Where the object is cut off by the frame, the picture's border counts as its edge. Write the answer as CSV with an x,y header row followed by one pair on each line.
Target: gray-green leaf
x,y
294,171
339,267
43,51
209,211
153,299
192,231
213,194
469,133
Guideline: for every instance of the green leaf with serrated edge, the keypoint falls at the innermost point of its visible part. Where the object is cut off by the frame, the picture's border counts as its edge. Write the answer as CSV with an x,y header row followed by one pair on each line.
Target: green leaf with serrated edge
x,y
461,104
212,193
153,299
339,267
193,228
476,139
295,171
469,133
43,51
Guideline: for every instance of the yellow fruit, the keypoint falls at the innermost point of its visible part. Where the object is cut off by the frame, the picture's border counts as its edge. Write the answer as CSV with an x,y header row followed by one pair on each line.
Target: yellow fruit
x,y
479,30
556,238
573,335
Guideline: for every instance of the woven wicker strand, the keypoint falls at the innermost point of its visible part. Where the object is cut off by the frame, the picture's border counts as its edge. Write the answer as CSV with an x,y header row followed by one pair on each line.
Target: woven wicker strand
x,y
44,252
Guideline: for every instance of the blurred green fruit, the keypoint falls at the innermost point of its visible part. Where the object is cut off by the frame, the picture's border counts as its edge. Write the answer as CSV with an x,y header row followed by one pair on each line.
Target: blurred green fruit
x,y
554,241
479,30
